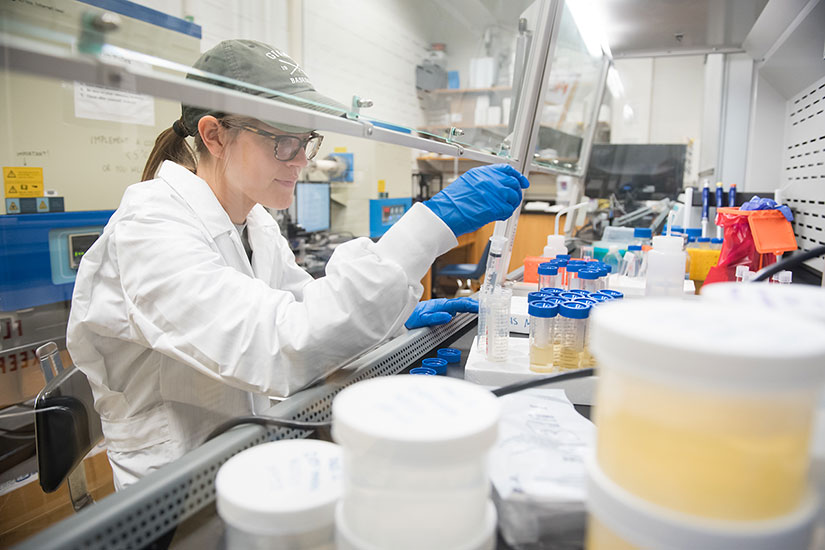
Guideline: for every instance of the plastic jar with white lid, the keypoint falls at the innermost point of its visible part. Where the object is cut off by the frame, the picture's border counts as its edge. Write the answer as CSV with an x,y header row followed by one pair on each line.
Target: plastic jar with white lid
x,y
619,520
281,495
415,455
710,413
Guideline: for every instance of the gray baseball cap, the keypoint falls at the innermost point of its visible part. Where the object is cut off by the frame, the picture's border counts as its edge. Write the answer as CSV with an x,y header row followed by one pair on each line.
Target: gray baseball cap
x,y
262,65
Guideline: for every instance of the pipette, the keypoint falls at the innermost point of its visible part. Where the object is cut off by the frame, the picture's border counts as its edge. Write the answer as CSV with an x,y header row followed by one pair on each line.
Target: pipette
x,y
688,206
705,206
719,200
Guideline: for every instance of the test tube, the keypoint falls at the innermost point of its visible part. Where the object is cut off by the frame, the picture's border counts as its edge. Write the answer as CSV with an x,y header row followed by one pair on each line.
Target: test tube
x,y
542,325
570,328
498,323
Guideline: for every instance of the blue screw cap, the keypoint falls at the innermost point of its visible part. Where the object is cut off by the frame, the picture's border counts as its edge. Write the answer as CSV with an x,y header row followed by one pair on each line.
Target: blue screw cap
x,y
451,355
438,365
574,310
544,309
423,370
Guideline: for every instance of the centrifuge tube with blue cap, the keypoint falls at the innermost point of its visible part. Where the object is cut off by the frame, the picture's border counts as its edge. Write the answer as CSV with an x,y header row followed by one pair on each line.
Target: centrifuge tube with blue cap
x,y
542,325
570,331
548,275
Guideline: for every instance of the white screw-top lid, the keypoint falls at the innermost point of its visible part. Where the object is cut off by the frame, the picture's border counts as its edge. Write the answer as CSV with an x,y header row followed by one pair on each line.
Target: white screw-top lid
x,y
419,419
646,525
556,241
709,344
284,487
668,244
801,300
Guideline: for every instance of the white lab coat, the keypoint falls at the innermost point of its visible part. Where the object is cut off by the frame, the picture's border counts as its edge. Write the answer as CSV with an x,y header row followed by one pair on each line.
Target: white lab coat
x,y
177,332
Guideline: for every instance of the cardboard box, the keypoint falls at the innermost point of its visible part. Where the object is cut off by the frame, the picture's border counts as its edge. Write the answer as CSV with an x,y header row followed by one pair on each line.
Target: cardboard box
x,y
27,510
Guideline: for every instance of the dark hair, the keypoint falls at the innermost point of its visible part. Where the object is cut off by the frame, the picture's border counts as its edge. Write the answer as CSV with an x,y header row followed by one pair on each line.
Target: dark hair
x,y
170,145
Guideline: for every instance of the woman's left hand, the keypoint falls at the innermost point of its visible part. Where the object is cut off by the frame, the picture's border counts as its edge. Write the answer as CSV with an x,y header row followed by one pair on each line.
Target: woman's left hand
x,y
439,311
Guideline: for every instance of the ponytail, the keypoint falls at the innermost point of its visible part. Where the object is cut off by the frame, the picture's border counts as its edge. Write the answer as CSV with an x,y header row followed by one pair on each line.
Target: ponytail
x,y
169,146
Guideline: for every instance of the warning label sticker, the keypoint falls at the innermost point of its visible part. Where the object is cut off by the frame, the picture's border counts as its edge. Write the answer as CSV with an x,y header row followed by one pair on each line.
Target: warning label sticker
x,y
23,181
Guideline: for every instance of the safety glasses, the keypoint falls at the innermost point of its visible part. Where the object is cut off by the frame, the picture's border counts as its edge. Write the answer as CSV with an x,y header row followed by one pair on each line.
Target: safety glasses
x,y
287,146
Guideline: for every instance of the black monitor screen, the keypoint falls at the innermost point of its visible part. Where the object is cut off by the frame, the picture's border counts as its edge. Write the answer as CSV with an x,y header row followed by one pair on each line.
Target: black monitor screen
x,y
650,171
312,206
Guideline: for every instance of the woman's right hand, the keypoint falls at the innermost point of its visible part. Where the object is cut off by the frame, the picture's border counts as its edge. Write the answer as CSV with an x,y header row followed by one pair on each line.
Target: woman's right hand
x,y
481,195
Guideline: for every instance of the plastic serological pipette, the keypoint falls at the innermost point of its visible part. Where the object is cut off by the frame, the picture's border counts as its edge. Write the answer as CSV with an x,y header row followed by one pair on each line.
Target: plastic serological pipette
x,y
705,206
495,257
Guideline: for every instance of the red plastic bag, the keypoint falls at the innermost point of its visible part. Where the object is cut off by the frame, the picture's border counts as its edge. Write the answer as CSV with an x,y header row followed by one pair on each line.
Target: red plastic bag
x,y
738,248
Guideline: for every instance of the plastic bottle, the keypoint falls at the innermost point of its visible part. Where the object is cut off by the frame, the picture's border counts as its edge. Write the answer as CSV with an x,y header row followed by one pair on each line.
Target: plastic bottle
x,y
703,243
542,326
665,267
570,327
716,244
642,235
613,258
555,246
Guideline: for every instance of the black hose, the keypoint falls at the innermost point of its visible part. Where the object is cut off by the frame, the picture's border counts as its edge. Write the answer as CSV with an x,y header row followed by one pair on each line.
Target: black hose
x,y
520,386
790,261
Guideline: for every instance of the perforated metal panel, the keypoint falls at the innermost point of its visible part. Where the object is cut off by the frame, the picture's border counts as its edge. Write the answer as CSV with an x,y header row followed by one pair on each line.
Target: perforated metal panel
x,y
804,167
142,513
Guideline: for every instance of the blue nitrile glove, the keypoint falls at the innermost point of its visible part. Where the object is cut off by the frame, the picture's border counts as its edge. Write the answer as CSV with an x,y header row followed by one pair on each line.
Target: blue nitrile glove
x,y
478,197
767,204
439,311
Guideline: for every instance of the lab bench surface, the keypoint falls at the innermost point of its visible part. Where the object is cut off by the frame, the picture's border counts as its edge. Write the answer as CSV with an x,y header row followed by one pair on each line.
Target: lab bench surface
x,y
205,530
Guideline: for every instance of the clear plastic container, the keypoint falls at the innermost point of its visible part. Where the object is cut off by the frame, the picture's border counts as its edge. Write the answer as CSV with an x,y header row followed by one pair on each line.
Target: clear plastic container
x,y
703,424
415,452
586,279
498,323
543,316
561,264
619,520
548,275
281,495
570,327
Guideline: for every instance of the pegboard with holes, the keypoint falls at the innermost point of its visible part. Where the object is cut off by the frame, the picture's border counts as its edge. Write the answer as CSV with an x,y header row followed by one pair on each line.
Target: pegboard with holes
x,y
803,175
145,511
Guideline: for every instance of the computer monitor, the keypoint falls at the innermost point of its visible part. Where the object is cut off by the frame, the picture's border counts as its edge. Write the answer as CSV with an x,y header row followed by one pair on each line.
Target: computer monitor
x,y
647,171
312,206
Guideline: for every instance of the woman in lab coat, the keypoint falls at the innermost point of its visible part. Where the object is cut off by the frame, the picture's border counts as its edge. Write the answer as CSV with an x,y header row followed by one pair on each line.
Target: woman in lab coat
x,y
190,308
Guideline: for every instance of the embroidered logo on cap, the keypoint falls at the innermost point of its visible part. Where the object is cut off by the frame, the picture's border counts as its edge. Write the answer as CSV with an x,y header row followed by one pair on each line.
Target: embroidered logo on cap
x,y
296,73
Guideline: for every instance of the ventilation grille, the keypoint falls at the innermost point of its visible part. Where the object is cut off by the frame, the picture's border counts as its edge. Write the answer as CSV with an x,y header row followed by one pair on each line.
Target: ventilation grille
x,y
804,168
